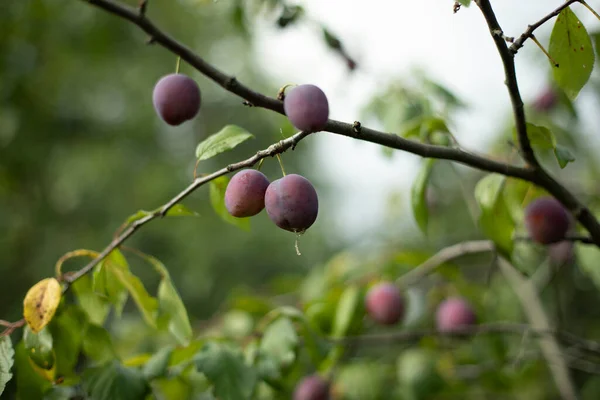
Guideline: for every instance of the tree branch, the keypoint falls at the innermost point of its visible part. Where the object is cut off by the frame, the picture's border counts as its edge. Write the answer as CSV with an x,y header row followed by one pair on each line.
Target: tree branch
x,y
511,82
385,339
532,306
356,131
443,256
518,43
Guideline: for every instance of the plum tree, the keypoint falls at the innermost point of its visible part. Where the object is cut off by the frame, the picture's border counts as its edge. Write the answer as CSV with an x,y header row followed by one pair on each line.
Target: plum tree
x,y
312,387
307,108
454,313
176,98
292,203
384,304
546,220
245,193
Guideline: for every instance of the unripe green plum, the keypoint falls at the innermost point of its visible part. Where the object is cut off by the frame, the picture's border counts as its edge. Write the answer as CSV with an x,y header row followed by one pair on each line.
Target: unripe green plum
x,y
176,98
245,193
384,304
418,374
292,203
546,220
453,314
307,108
312,387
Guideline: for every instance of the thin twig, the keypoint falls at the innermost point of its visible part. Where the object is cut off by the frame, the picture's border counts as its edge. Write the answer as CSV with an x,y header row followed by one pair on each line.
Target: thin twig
x,y
569,238
501,328
271,151
443,256
514,48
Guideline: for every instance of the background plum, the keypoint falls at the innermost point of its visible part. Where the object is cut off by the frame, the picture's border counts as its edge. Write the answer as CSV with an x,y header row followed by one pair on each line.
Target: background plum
x,y
312,387
546,220
176,98
292,203
307,108
245,193
454,313
384,303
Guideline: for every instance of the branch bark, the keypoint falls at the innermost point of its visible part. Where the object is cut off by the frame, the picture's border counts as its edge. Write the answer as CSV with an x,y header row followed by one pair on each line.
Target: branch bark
x,y
511,82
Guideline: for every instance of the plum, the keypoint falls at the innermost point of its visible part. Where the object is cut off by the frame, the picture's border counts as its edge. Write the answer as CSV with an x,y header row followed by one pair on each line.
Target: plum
x,y
546,220
453,314
307,108
245,193
292,203
312,387
384,304
176,98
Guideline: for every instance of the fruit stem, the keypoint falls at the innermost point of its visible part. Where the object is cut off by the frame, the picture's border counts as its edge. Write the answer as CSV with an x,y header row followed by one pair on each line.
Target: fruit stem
x,y
281,164
177,65
590,8
260,163
544,51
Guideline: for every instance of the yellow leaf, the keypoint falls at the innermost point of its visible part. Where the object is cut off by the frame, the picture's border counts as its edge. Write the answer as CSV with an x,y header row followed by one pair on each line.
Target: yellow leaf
x,y
41,303
47,374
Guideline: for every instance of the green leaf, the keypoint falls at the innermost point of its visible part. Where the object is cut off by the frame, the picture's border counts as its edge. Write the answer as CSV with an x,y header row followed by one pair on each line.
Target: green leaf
x,y
6,361
465,3
226,370
279,344
418,195
97,344
113,381
105,284
587,260
217,200
39,347
158,363
91,303
563,156
67,329
540,137
346,310
147,304
170,304
137,216
179,210
224,140
495,219
30,384
571,48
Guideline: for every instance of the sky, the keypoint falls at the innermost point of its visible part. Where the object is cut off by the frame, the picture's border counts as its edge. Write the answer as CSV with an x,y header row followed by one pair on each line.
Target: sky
x,y
388,39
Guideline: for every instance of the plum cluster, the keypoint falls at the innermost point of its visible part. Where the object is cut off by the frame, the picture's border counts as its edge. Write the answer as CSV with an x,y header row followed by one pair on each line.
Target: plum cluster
x,y
385,305
291,202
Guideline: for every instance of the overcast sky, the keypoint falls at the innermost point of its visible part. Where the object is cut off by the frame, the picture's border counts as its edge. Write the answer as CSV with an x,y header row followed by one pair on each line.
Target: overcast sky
x,y
389,38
